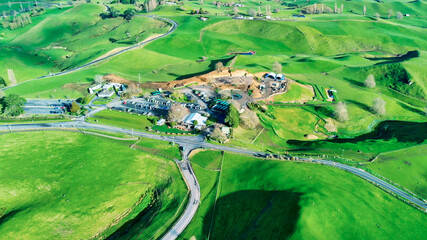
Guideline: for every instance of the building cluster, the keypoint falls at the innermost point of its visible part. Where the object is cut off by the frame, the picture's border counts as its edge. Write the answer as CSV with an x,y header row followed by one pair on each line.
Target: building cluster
x,y
277,82
107,90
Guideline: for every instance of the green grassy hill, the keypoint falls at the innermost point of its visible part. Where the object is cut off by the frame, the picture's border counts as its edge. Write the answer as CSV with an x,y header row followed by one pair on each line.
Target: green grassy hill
x,y
276,200
65,38
406,167
66,185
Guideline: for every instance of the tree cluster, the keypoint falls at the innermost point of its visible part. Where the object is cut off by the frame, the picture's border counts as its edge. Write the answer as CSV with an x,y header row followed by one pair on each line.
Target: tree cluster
x,y
17,21
218,135
11,105
315,9
198,11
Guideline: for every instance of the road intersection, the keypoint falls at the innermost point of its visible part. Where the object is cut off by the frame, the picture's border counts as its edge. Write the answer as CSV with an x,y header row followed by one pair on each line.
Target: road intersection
x,y
189,143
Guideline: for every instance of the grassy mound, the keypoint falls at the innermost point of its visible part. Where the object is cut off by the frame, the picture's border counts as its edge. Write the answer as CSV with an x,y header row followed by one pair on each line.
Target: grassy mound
x,y
261,199
407,167
71,186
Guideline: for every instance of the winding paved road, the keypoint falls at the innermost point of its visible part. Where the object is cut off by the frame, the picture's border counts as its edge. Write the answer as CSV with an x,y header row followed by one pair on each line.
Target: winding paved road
x,y
171,30
188,143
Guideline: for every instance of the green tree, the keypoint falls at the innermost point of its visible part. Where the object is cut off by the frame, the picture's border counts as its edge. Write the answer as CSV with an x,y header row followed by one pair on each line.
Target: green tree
x,y
113,12
232,118
75,107
12,105
129,13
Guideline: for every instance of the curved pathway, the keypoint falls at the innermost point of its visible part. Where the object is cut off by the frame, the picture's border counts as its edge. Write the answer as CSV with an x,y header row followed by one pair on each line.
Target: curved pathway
x,y
188,143
171,30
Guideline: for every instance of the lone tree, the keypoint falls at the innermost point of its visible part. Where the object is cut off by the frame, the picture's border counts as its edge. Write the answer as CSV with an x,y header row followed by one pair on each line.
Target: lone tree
x,y
75,107
364,10
218,135
370,81
219,66
377,16
399,15
379,106
177,112
252,12
11,76
389,13
98,78
235,10
249,119
277,67
341,113
232,117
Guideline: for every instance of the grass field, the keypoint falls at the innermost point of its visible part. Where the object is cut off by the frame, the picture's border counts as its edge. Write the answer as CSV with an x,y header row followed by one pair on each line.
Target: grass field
x,y
295,93
407,167
121,119
81,186
300,201
65,38
205,165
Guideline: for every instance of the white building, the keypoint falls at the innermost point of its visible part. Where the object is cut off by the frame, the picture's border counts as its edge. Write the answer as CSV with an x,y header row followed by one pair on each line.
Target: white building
x,y
201,121
105,93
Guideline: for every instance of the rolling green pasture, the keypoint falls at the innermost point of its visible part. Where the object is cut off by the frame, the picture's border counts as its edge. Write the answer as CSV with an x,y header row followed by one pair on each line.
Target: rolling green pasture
x,y
272,199
121,119
66,185
295,93
65,38
406,167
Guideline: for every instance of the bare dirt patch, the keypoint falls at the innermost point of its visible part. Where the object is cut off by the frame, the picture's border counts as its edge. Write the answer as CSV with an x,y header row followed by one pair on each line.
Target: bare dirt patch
x,y
79,87
115,50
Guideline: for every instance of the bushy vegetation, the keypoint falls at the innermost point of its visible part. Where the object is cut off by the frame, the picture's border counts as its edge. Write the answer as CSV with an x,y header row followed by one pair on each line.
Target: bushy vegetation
x,y
396,77
11,105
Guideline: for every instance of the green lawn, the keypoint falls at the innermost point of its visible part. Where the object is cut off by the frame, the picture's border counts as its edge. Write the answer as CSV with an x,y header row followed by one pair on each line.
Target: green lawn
x,y
265,199
159,148
406,167
295,93
121,119
65,38
71,186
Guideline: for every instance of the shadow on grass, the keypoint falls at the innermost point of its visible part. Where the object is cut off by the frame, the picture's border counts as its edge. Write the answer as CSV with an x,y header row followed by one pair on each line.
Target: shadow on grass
x,y
133,228
211,67
403,132
354,82
254,65
361,105
8,216
398,59
254,214
415,110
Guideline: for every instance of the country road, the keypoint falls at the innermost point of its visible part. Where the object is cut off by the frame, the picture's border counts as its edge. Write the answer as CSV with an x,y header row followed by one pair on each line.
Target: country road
x,y
171,30
188,143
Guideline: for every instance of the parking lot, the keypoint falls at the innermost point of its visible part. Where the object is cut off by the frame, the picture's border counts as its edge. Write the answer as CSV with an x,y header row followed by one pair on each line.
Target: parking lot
x,y
46,106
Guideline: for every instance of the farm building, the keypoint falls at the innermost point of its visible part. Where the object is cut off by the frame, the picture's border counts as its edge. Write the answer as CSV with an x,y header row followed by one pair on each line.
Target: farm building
x,y
105,93
191,118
